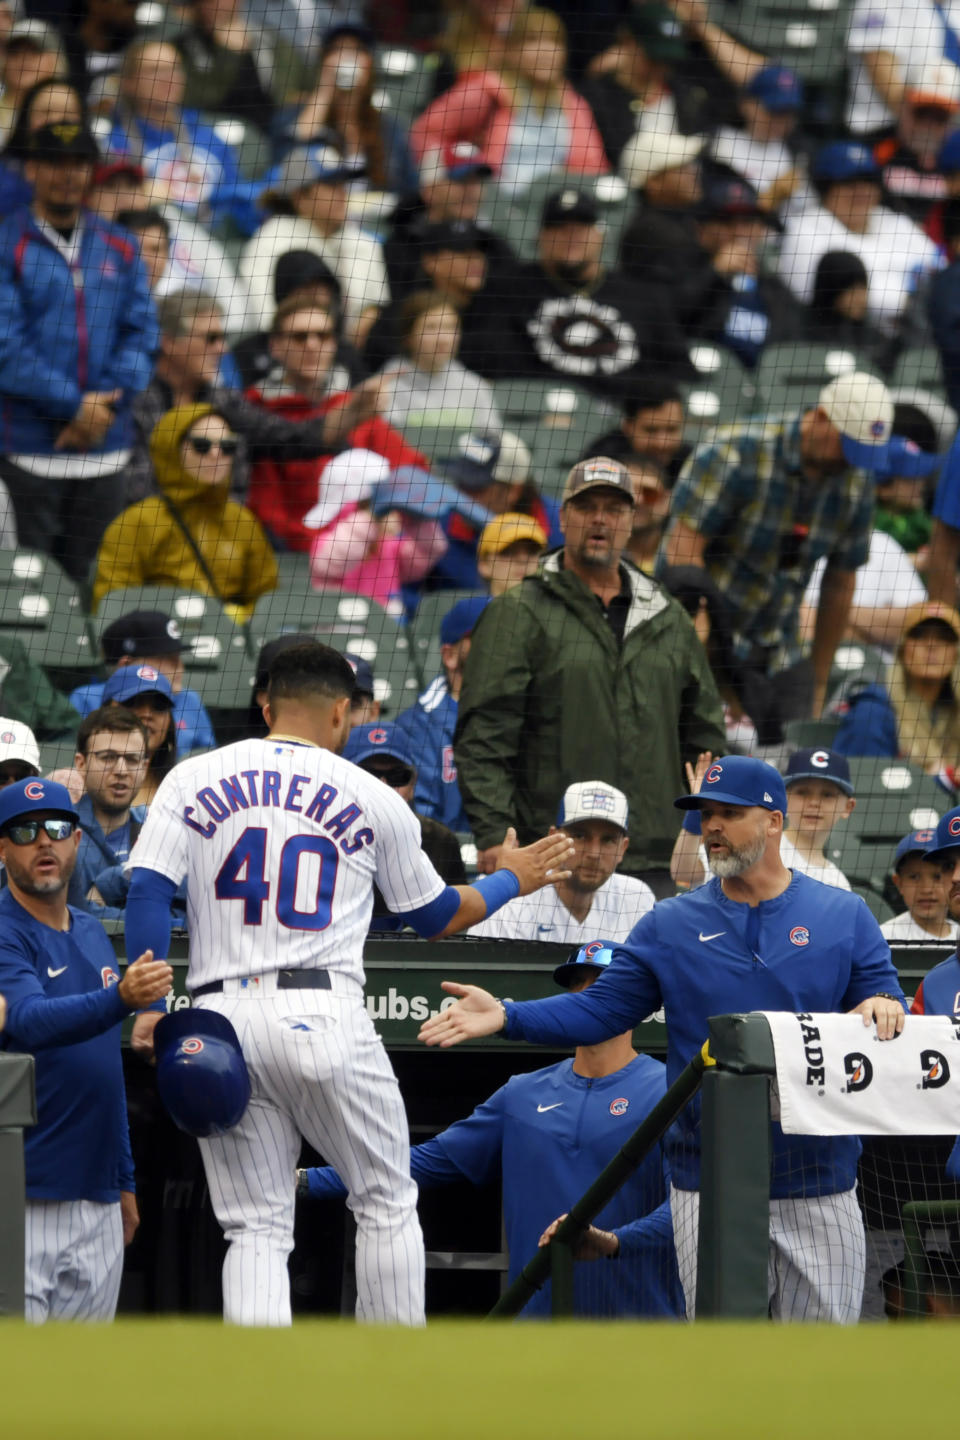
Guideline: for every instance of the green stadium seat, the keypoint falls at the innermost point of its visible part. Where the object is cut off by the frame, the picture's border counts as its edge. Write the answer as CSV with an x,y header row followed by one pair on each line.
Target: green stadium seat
x,y
919,367
193,611
804,734
556,419
725,392
893,798
807,36
791,376
405,81
347,622
42,608
877,906
57,755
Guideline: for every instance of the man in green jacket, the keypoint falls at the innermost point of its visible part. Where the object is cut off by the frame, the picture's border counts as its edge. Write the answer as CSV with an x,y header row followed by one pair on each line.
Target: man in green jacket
x,y
586,670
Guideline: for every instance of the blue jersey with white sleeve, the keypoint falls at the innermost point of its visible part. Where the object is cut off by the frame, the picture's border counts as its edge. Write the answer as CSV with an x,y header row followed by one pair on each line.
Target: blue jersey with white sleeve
x,y
548,1135
812,948
64,1008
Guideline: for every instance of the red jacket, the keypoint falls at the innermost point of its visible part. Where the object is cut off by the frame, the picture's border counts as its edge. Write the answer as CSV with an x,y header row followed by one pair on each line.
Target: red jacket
x,y
281,492
479,108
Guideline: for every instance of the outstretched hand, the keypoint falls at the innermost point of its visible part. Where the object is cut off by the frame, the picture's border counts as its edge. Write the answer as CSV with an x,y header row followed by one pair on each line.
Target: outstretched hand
x,y
542,863
475,1015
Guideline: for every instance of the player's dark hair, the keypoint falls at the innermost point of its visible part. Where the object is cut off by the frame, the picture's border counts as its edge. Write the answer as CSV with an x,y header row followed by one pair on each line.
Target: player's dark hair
x,y
137,221
309,670
113,720
649,394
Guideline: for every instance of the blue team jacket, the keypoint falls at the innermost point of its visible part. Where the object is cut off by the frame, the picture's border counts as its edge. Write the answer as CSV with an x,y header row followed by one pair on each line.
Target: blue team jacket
x,y
813,948
939,994
65,1010
194,726
62,339
429,726
547,1136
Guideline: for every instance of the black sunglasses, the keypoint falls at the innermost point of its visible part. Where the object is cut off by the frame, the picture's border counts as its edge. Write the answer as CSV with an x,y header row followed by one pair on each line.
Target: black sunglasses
x,y
203,444
25,832
392,775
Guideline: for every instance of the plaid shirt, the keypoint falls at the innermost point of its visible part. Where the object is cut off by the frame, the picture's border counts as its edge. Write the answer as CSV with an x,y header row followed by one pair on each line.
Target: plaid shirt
x,y
767,525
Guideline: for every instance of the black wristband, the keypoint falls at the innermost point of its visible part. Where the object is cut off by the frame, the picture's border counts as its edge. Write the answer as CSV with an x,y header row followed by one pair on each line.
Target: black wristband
x,y
885,995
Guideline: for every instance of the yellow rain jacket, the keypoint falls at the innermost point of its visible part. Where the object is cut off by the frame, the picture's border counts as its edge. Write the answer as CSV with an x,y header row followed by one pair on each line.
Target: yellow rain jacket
x,y
145,545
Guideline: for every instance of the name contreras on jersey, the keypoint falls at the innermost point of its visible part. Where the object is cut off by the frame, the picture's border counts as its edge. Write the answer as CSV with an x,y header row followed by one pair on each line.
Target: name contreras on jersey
x,y
256,789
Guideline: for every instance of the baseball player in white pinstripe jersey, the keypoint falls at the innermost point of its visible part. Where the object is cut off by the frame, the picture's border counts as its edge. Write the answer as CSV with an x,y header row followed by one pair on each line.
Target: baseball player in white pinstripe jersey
x,y
281,841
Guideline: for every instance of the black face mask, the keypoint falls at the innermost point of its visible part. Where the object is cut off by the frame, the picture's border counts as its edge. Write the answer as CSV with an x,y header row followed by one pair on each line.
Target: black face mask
x,y
572,273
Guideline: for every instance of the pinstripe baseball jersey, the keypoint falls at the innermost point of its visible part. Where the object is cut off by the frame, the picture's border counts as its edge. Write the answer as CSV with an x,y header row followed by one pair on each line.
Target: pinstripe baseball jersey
x,y
614,910
281,843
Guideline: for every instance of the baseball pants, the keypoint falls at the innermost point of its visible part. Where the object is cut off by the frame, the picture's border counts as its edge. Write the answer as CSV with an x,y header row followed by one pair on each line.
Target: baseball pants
x,y
74,1260
817,1257
319,1070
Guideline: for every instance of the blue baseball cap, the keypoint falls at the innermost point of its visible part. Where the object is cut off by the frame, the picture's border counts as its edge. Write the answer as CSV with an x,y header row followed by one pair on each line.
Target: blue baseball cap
x,y
905,460
777,88
845,160
415,490
460,620
739,780
917,842
378,739
130,681
949,158
595,956
35,796
946,837
819,764
362,673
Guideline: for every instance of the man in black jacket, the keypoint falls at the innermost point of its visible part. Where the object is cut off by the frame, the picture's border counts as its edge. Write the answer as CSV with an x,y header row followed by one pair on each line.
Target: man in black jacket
x,y
565,315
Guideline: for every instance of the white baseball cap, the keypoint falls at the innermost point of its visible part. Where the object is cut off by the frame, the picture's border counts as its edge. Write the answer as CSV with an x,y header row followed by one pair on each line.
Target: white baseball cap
x,y
594,800
17,742
348,479
861,408
652,151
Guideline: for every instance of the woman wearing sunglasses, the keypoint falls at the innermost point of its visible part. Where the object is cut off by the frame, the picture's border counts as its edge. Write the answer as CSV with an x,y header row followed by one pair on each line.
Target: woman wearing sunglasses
x,y
190,534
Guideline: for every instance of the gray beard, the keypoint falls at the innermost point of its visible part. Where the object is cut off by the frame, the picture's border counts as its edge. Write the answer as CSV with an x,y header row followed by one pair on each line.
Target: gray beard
x,y
738,862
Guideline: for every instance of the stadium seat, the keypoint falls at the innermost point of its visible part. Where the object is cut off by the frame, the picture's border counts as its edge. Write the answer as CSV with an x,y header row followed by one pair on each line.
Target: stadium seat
x,y
726,392
57,755
920,368
347,622
192,610
803,734
556,419
791,376
425,630
810,36
41,607
405,82
893,797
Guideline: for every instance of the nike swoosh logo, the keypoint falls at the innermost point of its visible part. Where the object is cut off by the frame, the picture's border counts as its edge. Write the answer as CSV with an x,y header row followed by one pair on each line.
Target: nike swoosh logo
x,y
544,928
715,936
541,1109
54,973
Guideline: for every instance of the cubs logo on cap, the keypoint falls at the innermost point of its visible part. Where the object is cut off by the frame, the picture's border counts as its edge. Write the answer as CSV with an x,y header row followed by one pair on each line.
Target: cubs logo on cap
x,y
377,737
33,790
147,672
918,842
739,780
819,764
597,955
946,837
26,797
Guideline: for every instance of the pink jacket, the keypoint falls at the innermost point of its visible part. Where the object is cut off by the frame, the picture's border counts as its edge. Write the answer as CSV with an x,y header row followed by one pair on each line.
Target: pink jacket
x,y
479,108
341,557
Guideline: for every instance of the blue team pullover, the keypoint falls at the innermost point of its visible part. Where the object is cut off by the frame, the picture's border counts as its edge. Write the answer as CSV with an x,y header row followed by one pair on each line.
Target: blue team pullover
x,y
66,332
64,1008
429,726
813,948
548,1135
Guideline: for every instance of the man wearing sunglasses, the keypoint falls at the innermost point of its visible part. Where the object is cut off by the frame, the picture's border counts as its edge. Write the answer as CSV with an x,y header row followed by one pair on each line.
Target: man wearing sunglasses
x,y
65,1006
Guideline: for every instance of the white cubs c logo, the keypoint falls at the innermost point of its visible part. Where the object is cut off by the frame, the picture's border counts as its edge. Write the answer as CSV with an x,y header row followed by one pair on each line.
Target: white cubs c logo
x,y
34,791
820,758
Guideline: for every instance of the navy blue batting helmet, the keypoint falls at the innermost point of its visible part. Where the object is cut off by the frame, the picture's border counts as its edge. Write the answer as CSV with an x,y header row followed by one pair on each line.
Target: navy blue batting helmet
x,y
201,1073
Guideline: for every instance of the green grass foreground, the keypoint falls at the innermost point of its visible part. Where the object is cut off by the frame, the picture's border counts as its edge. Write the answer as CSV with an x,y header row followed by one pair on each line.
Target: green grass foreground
x,y
181,1379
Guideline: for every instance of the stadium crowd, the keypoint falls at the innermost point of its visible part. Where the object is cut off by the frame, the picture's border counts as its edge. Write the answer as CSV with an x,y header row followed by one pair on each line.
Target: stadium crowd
x,y
606,358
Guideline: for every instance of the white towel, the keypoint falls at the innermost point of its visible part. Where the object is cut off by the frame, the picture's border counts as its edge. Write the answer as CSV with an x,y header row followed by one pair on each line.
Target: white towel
x,y
834,1077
